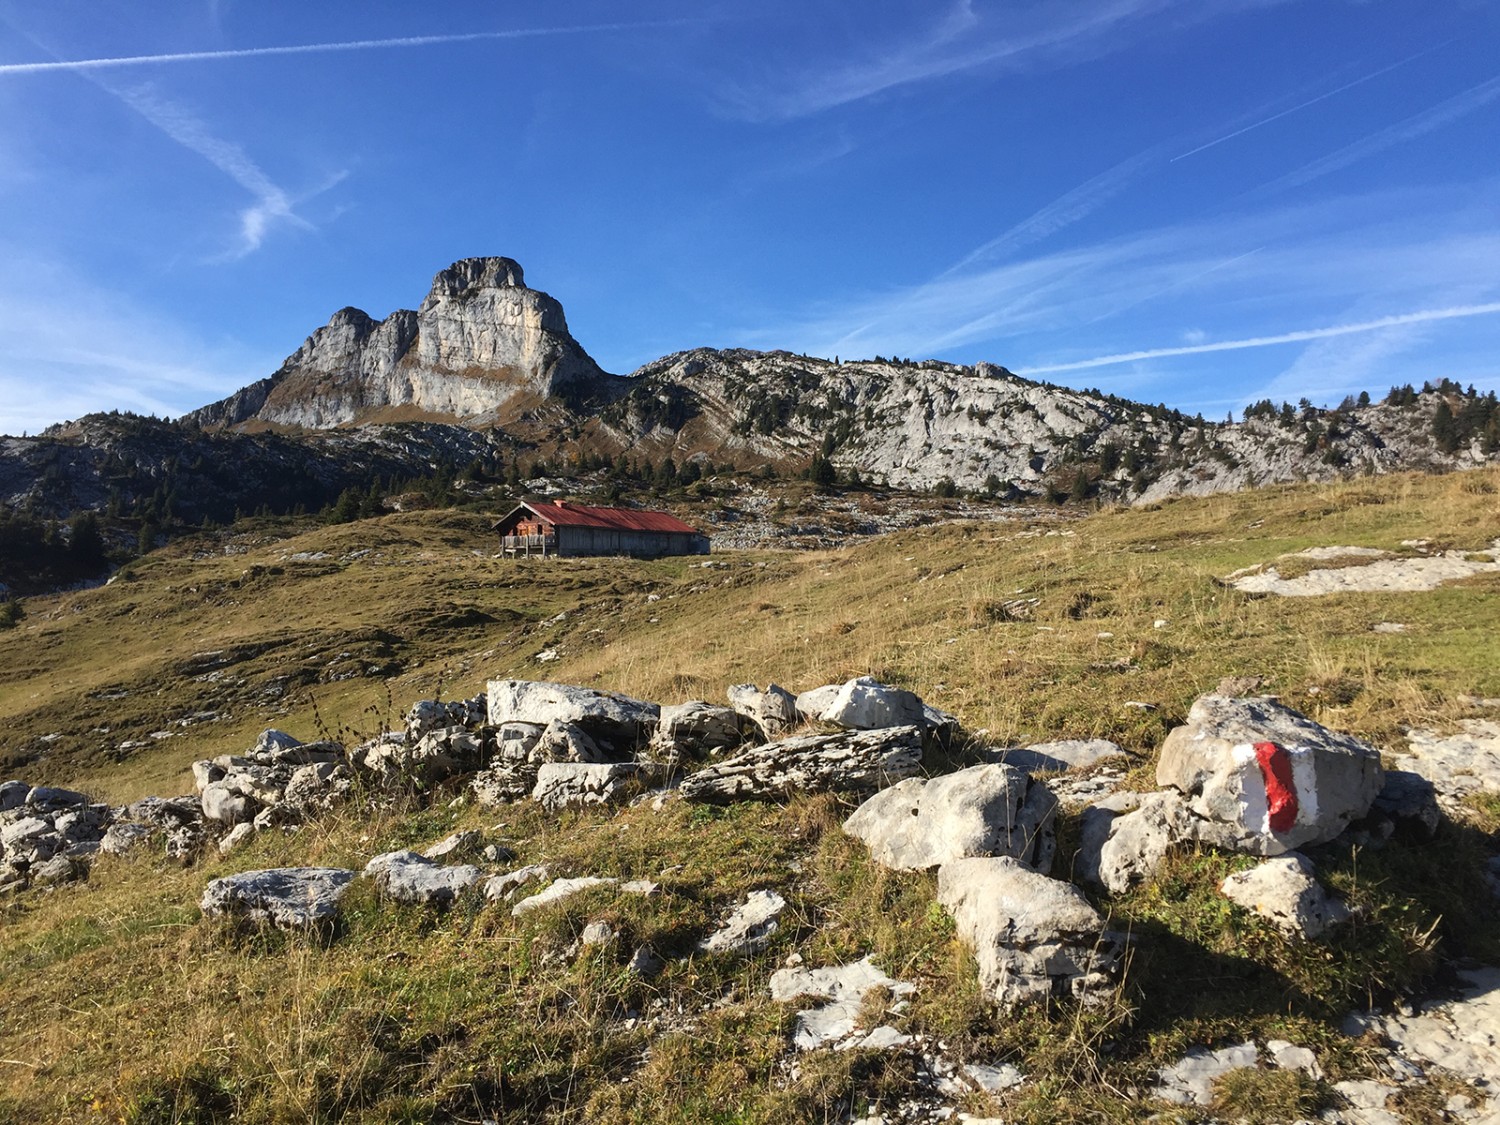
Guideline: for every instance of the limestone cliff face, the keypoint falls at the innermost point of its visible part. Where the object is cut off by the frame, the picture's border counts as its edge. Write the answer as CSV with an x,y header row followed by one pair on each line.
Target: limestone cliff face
x,y
480,342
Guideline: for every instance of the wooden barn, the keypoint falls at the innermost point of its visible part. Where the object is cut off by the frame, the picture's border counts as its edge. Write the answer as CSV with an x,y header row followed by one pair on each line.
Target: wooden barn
x,y
560,527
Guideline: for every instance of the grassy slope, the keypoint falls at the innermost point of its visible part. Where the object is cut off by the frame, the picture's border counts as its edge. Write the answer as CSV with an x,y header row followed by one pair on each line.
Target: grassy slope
x,y
116,998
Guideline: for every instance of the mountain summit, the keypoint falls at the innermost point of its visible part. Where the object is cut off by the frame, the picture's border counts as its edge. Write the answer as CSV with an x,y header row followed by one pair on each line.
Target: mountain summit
x,y
479,348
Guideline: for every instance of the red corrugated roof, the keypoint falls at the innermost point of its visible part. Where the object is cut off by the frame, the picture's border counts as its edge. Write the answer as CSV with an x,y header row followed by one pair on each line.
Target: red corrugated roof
x,y
568,514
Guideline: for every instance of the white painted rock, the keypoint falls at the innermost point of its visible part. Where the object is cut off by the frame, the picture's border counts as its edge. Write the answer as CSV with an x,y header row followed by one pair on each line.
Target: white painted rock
x,y
981,811
1034,938
1265,779
1285,892
289,898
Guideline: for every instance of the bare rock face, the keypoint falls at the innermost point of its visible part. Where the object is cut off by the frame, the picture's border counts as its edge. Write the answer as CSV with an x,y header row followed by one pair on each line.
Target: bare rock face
x,y
981,811
848,762
1035,938
1264,779
479,340
289,898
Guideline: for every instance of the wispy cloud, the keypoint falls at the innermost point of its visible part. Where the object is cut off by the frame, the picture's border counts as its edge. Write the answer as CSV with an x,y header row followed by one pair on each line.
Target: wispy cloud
x,y
1067,209
69,346
273,205
960,40
1421,316
1418,125
1310,102
325,48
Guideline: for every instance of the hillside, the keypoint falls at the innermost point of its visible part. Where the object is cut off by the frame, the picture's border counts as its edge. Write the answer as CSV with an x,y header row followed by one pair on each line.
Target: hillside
x,y
121,1001
484,373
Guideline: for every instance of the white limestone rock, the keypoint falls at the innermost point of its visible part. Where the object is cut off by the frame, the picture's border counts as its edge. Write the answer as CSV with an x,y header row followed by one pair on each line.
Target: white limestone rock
x,y
849,761
748,927
1034,938
773,711
866,704
409,878
289,898
841,990
1190,1081
1285,892
1264,779
562,785
619,724
989,810
555,892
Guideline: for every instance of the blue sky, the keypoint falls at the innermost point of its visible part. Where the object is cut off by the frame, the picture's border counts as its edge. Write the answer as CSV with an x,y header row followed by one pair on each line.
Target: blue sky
x,y
1199,202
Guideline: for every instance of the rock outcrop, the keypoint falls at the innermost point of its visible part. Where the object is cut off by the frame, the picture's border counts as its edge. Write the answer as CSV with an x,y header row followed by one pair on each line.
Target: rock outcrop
x,y
851,762
981,811
478,342
1035,938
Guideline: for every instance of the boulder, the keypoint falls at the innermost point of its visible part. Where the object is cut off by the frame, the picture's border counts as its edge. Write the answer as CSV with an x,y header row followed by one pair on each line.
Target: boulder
x,y
812,703
414,880
430,714
436,756
1406,806
55,871
226,805
1094,823
318,786
849,761
13,795
121,839
270,741
866,704
205,773
618,723
1264,779
981,811
696,728
748,927
569,742
45,798
504,782
1285,892
561,785
310,753
1137,842
1035,938
774,710
517,742
289,898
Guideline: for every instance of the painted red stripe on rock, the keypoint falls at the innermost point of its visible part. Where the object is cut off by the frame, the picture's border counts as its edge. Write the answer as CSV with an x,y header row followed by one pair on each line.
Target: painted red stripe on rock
x,y
1281,790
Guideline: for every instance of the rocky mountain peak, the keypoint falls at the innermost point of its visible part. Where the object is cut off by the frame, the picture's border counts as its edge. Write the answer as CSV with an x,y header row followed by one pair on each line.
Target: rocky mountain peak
x,y
465,277
480,345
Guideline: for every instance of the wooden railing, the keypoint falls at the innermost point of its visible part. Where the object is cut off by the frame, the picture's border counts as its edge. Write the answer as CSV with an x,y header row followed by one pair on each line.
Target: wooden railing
x,y
526,544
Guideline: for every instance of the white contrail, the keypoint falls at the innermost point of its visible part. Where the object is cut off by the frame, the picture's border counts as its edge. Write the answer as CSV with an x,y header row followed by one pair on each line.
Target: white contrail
x,y
318,48
1309,102
1420,317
